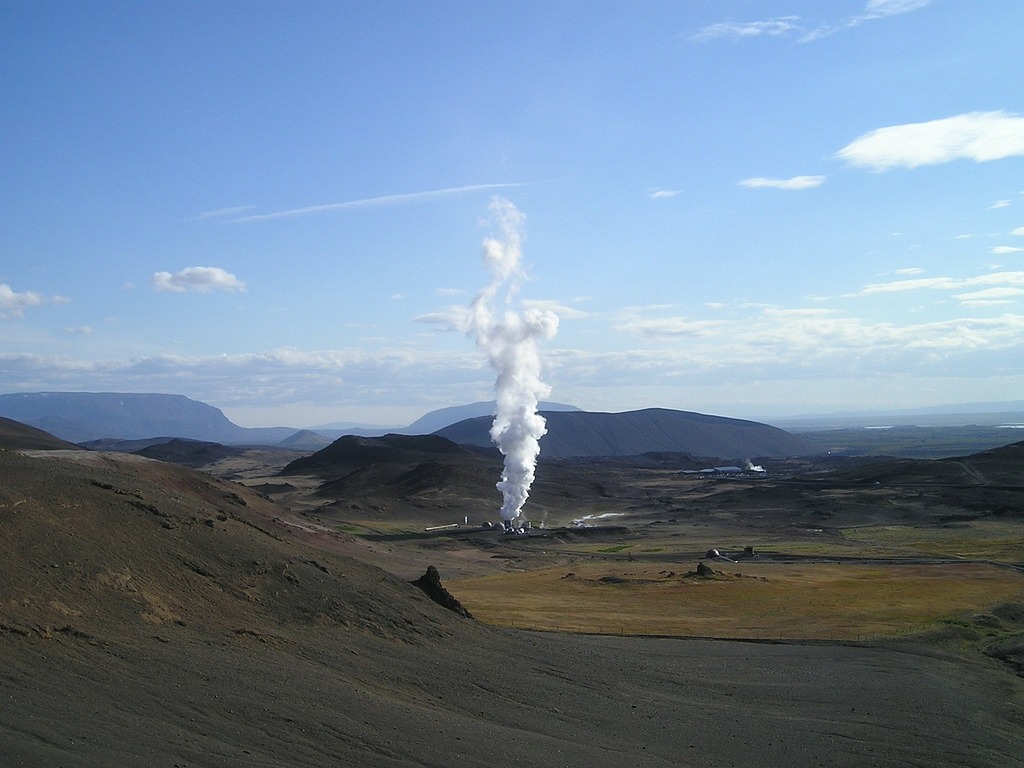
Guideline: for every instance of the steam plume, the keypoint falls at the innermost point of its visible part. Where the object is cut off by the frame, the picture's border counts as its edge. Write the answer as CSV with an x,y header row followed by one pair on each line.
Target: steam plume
x,y
509,339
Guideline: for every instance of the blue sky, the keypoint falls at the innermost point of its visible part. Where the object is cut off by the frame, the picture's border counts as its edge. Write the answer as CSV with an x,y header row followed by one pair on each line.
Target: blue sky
x,y
753,209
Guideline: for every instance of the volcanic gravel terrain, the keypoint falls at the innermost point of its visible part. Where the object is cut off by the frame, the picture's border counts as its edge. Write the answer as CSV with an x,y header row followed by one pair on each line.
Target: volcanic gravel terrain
x,y
152,614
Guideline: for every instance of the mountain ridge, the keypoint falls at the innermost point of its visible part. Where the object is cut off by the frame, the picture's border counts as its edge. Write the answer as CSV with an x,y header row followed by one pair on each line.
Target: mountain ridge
x,y
631,433
81,417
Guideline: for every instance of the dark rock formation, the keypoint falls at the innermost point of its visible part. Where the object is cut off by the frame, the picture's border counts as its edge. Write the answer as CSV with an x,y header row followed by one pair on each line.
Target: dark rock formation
x,y
430,583
705,571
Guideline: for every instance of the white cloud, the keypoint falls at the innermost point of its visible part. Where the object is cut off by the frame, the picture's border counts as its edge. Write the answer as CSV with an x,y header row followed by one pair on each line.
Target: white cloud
x,y
909,271
978,136
198,280
1018,231
661,194
892,7
796,182
880,9
13,304
1000,204
796,342
341,379
372,202
776,27
747,348
221,212
670,327
991,280
988,296
450,319
784,26
1004,249
564,311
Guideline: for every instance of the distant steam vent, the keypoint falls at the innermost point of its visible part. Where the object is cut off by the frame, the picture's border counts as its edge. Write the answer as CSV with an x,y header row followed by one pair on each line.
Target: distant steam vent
x,y
509,339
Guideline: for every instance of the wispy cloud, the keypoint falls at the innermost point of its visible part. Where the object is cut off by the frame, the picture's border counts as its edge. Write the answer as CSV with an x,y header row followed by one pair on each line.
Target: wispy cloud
x,y
670,327
197,280
796,182
789,26
563,310
978,136
989,296
993,279
1001,250
1018,231
662,194
221,212
1000,204
816,341
776,27
881,9
383,200
13,303
271,377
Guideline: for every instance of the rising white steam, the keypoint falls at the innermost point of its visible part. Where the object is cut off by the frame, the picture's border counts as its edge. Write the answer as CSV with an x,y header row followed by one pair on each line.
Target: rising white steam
x,y
509,339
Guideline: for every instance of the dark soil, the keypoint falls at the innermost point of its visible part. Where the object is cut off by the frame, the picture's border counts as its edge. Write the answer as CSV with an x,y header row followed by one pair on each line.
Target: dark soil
x,y
152,615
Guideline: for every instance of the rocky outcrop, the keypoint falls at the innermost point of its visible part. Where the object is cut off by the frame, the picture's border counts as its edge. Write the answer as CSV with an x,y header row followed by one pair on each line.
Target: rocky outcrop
x,y
430,583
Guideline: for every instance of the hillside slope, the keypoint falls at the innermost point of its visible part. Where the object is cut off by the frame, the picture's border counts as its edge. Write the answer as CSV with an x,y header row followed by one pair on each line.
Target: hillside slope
x,y
15,435
1003,466
152,615
575,434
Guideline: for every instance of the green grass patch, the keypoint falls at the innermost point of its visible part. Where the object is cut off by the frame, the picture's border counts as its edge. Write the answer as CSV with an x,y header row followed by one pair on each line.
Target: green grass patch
x,y
976,540
614,548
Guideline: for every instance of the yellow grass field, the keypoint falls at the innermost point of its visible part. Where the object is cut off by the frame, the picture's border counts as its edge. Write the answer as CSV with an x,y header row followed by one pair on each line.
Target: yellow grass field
x,y
744,600
1001,540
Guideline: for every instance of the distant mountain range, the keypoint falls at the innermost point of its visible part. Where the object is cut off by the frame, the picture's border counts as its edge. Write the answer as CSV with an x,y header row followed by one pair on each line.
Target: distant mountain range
x,y
444,417
131,422
125,421
428,423
88,417
81,417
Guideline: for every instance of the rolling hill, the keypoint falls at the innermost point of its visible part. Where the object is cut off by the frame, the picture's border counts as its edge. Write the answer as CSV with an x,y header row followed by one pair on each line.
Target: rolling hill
x,y
14,436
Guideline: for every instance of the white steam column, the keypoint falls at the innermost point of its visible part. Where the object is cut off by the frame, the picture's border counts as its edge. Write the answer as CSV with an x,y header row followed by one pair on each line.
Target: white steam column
x,y
509,339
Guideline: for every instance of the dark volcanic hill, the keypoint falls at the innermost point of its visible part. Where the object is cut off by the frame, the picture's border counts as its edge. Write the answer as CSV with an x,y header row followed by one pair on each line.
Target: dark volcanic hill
x,y
349,453
426,469
190,453
577,434
15,435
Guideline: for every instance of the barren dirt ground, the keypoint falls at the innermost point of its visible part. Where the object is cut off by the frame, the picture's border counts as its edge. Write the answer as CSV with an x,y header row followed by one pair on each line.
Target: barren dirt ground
x,y
155,616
